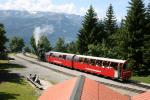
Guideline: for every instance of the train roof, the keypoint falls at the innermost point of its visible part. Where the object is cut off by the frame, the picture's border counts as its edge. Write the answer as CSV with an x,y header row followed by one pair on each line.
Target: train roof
x,y
102,58
90,57
60,53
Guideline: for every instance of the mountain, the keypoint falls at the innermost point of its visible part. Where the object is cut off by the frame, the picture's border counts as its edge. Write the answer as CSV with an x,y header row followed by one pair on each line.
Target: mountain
x,y
54,25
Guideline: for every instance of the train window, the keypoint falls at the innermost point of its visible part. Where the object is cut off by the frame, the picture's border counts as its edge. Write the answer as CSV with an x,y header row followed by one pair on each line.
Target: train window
x,y
92,62
98,63
114,65
60,56
125,66
88,61
85,60
68,57
80,59
51,54
106,63
64,56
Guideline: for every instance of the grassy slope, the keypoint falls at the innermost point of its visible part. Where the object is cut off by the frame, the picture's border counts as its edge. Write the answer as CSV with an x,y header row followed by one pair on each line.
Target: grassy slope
x,y
12,85
145,79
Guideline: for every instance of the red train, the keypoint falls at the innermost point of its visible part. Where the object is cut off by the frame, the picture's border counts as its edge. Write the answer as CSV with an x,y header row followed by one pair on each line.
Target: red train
x,y
113,68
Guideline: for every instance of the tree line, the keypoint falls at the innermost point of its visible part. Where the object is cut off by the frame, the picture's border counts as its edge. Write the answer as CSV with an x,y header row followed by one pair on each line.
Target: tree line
x,y
128,40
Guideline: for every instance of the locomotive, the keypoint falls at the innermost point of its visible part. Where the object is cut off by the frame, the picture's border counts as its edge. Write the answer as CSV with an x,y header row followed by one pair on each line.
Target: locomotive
x,y
112,68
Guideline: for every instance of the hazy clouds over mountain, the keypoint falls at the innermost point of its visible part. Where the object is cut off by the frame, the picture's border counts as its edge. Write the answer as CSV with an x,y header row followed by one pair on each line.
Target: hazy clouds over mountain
x,y
54,25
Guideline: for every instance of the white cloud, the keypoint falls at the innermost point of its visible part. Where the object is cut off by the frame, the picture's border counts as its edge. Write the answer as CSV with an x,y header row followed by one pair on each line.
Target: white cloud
x,y
82,11
47,5
38,5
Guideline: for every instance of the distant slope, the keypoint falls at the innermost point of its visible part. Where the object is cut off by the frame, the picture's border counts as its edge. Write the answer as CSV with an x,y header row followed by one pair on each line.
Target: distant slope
x,y
23,23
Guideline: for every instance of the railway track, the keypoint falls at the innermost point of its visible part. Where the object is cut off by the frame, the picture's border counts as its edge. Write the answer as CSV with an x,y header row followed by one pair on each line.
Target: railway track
x,y
146,87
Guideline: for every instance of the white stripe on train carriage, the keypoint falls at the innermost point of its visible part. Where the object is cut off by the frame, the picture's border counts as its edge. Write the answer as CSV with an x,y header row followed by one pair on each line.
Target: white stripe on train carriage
x,y
92,70
57,61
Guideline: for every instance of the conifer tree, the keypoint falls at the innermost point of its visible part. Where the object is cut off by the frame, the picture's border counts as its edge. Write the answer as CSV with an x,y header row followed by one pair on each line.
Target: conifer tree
x,y
120,42
135,25
3,40
60,45
84,36
44,43
110,23
97,34
16,44
72,47
147,42
33,44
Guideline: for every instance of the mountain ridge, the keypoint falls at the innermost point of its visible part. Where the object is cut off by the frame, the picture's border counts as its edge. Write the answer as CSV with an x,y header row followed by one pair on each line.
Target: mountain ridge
x,y
24,24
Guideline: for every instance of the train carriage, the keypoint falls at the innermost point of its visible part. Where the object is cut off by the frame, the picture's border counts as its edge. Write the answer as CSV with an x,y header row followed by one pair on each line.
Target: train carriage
x,y
64,59
113,68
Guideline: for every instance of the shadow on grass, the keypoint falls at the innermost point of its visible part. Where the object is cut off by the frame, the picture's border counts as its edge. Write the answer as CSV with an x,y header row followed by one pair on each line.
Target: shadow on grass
x,y
9,65
7,96
7,76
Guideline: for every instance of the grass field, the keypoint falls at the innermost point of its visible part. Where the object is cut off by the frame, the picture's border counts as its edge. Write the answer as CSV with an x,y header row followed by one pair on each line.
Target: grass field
x,y
3,61
12,85
145,79
15,91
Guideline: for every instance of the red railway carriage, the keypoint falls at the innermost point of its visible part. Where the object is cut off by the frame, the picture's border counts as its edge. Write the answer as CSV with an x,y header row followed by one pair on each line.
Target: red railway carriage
x,y
64,59
113,68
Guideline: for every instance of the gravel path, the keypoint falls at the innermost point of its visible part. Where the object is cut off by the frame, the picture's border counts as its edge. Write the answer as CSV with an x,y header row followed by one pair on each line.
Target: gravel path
x,y
42,72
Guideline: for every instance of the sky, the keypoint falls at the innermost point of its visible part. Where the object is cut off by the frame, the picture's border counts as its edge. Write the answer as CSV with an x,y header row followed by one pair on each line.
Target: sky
x,y
78,7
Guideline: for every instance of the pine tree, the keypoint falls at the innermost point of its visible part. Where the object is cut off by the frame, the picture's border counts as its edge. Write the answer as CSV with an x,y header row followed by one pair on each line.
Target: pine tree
x,y
60,45
44,43
120,42
110,24
3,40
26,49
16,44
33,44
72,47
147,42
97,34
84,36
135,25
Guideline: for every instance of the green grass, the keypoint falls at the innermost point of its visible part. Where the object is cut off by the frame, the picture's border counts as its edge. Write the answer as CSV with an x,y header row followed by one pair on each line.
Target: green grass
x,y
31,55
15,91
145,79
13,54
3,61
12,85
